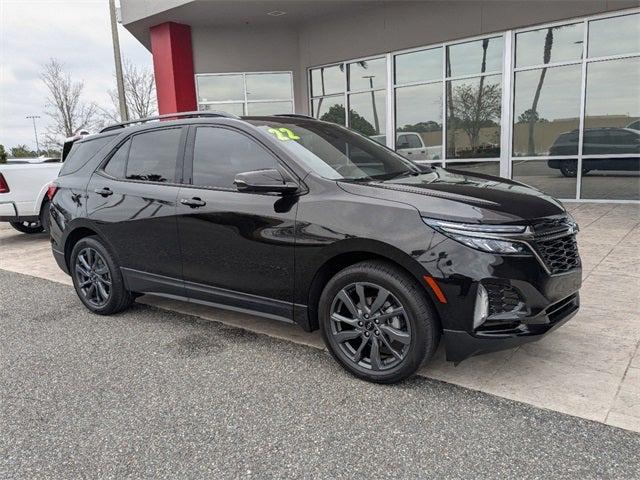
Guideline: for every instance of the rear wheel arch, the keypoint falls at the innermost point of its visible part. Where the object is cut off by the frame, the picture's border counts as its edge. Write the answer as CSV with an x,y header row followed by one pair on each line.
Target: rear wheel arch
x,y
344,260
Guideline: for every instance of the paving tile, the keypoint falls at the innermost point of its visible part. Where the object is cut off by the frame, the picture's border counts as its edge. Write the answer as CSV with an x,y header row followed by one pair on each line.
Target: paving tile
x,y
546,383
620,420
475,372
626,407
618,292
603,321
635,362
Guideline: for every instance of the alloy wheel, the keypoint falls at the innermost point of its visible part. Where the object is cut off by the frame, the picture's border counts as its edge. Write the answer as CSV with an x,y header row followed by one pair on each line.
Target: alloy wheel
x,y
93,277
370,326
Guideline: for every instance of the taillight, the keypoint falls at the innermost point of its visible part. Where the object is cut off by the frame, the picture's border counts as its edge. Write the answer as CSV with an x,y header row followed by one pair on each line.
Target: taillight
x,y
51,191
4,186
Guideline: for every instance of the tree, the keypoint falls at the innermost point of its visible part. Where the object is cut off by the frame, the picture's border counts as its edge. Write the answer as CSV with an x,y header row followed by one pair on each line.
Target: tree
x,y
140,94
429,126
22,151
474,108
356,121
3,154
65,106
546,57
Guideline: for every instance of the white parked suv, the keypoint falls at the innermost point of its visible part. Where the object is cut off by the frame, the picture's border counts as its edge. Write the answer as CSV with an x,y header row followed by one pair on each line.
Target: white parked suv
x,y
23,192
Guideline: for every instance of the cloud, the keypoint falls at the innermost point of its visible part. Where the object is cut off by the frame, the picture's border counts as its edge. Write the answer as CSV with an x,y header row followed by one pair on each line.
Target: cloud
x,y
78,34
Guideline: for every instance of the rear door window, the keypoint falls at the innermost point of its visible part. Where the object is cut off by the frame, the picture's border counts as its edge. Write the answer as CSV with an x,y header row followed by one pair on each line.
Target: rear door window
x,y
81,152
118,162
153,156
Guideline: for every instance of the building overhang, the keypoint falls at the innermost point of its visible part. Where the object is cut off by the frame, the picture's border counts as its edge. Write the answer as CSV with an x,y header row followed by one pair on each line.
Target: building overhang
x,y
139,16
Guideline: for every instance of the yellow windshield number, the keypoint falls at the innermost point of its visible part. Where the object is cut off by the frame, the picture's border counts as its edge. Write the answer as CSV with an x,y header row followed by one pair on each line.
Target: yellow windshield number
x,y
283,134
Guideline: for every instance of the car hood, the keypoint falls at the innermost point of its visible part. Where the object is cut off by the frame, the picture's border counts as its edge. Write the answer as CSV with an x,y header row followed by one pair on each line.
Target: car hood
x,y
463,197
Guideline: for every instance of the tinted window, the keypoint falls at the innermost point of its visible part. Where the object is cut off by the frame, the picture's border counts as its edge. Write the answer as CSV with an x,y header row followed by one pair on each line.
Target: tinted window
x,y
414,141
118,161
81,152
153,156
220,154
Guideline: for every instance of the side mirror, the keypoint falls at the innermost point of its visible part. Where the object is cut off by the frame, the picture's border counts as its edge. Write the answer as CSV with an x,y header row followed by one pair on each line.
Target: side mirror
x,y
265,181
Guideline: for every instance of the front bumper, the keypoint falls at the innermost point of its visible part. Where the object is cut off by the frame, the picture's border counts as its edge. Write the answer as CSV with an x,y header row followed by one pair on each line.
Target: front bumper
x,y
460,344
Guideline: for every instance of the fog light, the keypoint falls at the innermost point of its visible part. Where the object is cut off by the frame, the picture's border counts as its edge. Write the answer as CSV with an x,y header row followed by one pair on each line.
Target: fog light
x,y
481,310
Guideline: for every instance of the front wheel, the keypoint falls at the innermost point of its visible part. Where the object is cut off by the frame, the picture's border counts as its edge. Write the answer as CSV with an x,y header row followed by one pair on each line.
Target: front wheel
x,y
97,278
28,227
377,322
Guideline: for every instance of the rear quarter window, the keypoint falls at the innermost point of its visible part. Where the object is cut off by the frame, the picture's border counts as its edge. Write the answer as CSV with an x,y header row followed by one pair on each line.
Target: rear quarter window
x,y
81,152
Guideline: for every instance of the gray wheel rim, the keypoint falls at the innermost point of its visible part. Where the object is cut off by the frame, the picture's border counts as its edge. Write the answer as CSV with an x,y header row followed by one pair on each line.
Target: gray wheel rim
x,y
370,326
93,277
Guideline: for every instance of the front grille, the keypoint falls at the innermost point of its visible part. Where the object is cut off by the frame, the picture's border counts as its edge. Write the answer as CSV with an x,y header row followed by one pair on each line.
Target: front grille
x,y
555,242
559,254
502,298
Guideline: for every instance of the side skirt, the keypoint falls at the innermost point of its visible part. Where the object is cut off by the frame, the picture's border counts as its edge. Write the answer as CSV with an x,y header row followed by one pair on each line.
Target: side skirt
x,y
143,282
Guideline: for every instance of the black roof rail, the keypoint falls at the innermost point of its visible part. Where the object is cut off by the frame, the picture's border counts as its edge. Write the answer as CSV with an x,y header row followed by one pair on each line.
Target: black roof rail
x,y
295,115
195,114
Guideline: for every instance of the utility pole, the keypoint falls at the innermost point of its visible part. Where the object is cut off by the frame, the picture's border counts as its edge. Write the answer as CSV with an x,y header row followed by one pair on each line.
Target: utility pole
x,y
122,101
35,131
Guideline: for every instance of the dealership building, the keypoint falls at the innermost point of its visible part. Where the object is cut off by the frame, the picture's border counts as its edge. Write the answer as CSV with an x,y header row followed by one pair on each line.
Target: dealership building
x,y
544,92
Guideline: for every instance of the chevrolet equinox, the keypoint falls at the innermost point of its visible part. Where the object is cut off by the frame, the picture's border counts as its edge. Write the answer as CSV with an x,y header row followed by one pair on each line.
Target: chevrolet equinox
x,y
308,222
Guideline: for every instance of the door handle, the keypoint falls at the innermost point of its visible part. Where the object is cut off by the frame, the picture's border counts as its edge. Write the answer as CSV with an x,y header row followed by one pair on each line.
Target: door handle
x,y
194,202
105,192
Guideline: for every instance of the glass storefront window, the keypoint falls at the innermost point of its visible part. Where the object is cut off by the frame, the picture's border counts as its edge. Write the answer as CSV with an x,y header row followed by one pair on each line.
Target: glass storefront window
x,y
612,107
329,109
614,36
484,168
546,108
473,117
549,45
232,108
226,92
269,108
276,86
479,56
419,121
327,80
220,88
555,177
367,112
611,178
421,66
367,74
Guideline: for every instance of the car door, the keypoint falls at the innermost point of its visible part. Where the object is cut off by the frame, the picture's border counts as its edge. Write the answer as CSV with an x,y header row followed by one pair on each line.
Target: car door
x,y
237,247
131,200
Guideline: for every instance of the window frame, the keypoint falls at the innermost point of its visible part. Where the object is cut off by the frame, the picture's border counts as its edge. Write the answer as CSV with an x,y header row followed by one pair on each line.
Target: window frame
x,y
245,100
179,170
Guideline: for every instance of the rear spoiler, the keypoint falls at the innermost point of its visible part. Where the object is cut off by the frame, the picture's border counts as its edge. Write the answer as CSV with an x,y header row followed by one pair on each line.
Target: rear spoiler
x,y
68,143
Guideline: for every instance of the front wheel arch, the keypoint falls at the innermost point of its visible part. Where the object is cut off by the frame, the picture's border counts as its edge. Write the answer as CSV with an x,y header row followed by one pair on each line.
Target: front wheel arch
x,y
343,260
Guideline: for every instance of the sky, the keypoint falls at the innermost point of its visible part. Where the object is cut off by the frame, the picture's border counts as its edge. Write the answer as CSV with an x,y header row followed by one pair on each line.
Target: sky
x,y
75,32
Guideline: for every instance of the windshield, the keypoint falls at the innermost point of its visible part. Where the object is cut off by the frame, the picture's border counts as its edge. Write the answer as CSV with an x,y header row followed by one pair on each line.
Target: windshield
x,y
335,152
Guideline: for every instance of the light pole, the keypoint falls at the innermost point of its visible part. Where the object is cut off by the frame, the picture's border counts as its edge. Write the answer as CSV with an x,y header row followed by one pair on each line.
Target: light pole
x,y
35,131
373,102
122,102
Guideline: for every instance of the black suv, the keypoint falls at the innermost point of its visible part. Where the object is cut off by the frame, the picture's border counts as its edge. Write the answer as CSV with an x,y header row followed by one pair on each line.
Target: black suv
x,y
309,222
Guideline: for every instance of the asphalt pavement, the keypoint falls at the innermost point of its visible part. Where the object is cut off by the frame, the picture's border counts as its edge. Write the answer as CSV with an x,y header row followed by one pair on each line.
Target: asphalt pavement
x,y
151,393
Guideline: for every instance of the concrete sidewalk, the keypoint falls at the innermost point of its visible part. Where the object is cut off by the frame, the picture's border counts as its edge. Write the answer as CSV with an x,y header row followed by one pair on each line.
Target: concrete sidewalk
x,y
589,368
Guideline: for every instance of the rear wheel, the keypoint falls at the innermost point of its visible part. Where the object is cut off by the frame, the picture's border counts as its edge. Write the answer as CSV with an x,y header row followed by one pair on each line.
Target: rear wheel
x,y
28,227
97,278
377,322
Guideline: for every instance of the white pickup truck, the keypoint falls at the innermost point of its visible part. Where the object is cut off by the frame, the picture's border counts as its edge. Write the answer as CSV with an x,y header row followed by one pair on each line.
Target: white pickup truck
x,y
23,192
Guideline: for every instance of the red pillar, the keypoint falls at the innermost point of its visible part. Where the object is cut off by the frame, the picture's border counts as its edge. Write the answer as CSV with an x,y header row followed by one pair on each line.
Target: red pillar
x,y
173,67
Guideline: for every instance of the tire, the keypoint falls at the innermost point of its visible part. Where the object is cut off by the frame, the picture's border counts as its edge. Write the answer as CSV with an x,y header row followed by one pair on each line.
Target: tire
x,y
97,278
27,227
569,170
354,339
44,216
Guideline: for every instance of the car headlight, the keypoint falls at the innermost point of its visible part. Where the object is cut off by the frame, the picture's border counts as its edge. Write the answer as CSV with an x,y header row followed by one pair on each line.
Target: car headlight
x,y
487,238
